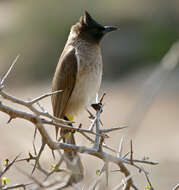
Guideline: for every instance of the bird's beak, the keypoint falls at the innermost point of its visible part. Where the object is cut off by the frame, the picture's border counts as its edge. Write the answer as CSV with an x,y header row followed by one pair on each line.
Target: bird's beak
x,y
109,29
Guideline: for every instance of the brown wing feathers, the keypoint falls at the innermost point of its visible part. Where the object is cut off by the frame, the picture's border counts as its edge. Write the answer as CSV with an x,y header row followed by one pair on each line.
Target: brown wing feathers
x,y
64,79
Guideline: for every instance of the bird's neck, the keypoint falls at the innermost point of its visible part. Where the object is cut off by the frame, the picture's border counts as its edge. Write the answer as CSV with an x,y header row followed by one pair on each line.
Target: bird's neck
x,y
76,39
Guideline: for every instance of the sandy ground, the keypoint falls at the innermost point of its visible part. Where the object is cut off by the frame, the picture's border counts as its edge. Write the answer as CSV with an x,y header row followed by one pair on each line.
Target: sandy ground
x,y
157,136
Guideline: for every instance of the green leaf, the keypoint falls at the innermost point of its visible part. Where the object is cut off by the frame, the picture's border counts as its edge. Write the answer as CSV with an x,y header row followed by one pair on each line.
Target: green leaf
x,y
98,172
147,187
4,180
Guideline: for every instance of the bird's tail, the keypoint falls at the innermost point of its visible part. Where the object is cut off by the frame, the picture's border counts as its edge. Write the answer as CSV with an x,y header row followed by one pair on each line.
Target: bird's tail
x,y
72,159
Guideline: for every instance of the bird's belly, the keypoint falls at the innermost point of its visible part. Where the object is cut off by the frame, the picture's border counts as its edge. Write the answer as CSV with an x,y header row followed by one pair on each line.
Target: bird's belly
x,y
86,87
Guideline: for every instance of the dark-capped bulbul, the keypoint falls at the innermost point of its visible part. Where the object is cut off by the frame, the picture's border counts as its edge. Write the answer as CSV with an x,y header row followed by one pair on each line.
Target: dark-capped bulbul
x,y
78,74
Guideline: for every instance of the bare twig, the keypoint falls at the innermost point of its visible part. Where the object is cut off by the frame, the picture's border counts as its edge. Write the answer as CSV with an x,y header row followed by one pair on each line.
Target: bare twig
x,y
92,141
119,154
35,100
113,129
143,161
131,155
17,186
176,187
33,142
8,166
148,180
8,72
38,156
97,142
123,183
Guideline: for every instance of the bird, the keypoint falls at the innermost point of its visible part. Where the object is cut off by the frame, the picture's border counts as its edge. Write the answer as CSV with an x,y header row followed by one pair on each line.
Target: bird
x,y
78,74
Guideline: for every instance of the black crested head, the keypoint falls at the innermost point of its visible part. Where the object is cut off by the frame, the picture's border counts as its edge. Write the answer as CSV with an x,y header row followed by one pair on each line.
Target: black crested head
x,y
88,22
92,30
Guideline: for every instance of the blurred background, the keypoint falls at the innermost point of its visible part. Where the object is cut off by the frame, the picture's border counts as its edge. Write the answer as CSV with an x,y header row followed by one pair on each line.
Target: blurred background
x,y
38,30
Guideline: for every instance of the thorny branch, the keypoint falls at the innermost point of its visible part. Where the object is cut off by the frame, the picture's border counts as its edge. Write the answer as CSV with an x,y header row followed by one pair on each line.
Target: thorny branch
x,y
176,187
40,118
3,182
17,186
8,165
